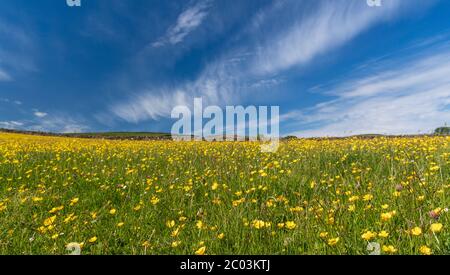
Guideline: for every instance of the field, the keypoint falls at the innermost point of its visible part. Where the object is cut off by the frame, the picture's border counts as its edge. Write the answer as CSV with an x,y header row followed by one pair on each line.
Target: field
x,y
164,197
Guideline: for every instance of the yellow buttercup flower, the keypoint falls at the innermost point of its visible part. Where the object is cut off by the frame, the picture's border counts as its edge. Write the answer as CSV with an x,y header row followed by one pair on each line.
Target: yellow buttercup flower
x,y
199,224
201,251
154,200
368,235
112,211
170,223
416,231
425,250
436,227
389,249
333,241
383,234
214,186
291,225
387,216
50,221
74,201
92,240
368,197
258,224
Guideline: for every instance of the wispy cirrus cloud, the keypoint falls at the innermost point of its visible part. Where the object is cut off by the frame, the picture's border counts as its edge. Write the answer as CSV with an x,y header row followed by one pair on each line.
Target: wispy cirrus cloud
x,y
327,26
187,22
297,40
16,51
4,76
400,96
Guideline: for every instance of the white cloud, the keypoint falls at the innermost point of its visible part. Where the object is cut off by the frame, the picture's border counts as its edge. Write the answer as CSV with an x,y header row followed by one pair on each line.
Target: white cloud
x,y
4,76
260,63
40,114
57,124
17,48
333,24
215,85
187,22
10,124
403,97
267,83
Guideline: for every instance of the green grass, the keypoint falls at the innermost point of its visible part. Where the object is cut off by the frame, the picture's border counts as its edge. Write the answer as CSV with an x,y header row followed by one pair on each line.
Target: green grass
x,y
227,187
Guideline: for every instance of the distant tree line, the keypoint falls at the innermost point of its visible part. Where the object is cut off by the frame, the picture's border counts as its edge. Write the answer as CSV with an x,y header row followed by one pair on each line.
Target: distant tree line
x,y
442,131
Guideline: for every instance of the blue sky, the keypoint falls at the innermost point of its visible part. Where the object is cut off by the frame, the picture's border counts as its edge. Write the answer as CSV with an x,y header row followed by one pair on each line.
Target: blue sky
x,y
335,67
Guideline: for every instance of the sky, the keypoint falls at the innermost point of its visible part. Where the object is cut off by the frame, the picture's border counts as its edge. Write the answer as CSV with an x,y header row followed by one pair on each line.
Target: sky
x,y
334,67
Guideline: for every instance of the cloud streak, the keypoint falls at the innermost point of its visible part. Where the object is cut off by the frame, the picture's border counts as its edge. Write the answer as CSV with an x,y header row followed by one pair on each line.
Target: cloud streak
x,y
332,25
259,64
187,22
4,76
403,97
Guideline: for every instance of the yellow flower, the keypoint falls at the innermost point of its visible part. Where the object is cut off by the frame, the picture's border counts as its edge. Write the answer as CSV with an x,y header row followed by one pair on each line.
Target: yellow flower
x,y
333,241
154,200
387,216
170,224
120,224
56,209
49,221
368,197
55,236
280,225
199,224
425,250
436,227
37,199
389,249
92,240
112,211
290,225
176,244
383,234
201,251
214,186
74,201
175,233
220,236
258,224
351,208
323,235
416,231
369,235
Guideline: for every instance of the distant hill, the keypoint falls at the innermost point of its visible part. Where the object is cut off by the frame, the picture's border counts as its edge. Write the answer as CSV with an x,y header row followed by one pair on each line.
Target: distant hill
x,y
168,136
442,131
100,135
